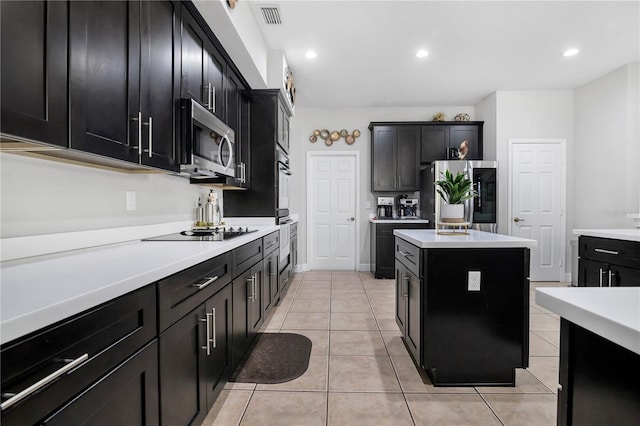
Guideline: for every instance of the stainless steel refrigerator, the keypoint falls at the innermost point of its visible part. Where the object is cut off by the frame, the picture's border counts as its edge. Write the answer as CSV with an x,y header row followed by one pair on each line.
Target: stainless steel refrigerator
x,y
481,211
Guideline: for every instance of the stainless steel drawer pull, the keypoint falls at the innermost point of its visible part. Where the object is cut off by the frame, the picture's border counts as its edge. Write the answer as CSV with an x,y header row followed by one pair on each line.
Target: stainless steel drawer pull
x,y
206,283
599,250
44,381
405,253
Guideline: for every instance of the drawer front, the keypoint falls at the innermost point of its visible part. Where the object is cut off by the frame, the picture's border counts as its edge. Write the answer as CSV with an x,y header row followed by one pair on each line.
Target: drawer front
x,y
383,230
616,252
104,336
270,242
408,255
182,292
246,256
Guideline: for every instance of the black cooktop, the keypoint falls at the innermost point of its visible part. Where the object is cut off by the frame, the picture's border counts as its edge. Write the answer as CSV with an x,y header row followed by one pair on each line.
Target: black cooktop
x,y
215,234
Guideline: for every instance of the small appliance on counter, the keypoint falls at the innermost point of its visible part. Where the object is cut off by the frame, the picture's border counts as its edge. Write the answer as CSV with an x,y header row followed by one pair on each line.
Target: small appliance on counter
x,y
408,207
385,207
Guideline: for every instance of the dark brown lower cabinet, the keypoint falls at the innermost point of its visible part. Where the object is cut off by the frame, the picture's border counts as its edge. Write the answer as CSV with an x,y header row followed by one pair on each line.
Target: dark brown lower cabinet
x,y
128,395
248,315
194,358
408,297
271,291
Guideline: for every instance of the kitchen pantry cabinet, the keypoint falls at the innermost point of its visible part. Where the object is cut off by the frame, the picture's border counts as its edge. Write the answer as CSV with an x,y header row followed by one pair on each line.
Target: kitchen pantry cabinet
x,y
395,158
34,71
441,140
605,262
195,339
124,80
99,367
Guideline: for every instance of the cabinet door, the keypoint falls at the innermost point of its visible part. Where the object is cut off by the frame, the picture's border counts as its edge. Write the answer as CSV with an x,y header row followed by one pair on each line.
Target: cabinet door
x,y
214,81
412,324
408,158
385,255
128,395
458,134
256,303
401,303
183,390
434,143
294,254
237,111
160,83
624,277
383,159
592,273
280,126
104,75
270,291
244,137
34,70
219,362
242,332
193,59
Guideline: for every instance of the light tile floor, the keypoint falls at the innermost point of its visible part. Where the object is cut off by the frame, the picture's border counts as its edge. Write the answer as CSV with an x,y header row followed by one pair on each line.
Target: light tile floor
x,y
360,373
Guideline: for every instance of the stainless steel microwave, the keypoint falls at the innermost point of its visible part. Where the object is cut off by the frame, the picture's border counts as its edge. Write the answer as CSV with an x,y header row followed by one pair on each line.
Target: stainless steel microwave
x,y
208,144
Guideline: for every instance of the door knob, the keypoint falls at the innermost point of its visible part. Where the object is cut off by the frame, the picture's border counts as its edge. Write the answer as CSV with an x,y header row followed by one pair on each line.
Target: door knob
x,y
517,219
351,219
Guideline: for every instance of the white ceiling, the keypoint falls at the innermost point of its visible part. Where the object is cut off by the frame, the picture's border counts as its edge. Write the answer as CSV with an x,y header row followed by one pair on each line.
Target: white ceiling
x,y
366,49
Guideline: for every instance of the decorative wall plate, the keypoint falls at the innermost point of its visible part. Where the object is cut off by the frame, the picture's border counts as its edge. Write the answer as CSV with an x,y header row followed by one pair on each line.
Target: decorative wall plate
x,y
231,3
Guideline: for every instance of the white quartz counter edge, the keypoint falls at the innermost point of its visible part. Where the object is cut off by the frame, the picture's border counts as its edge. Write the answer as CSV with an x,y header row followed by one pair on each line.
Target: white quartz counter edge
x,y
613,312
428,238
616,234
398,220
37,293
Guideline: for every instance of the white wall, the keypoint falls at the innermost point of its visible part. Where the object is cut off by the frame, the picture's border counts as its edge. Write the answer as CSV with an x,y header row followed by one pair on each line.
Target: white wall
x,y
607,153
308,119
46,197
486,111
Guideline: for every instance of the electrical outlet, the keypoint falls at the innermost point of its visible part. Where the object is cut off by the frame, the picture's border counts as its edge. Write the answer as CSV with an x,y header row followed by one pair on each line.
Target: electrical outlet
x,y
131,201
474,281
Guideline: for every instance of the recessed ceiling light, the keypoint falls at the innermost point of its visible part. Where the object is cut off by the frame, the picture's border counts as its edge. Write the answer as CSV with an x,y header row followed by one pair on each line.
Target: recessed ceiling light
x,y
422,53
571,52
311,54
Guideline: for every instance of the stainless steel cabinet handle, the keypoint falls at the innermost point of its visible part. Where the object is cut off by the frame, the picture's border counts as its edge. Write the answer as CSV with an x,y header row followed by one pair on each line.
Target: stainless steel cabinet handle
x,y
212,102
255,286
139,120
150,136
44,381
206,283
599,250
600,277
517,219
209,339
272,268
244,173
611,275
405,253
250,289
405,292
213,328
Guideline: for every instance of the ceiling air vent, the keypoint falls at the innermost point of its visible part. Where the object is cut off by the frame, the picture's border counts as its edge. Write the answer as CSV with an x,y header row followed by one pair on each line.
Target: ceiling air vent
x,y
271,14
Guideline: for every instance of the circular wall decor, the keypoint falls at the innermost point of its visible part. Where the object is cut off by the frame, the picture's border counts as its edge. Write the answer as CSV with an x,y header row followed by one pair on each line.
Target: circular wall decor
x,y
231,3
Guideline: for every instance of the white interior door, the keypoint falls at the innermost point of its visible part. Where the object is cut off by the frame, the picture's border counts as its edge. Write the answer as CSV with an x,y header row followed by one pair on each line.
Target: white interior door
x,y
537,204
331,207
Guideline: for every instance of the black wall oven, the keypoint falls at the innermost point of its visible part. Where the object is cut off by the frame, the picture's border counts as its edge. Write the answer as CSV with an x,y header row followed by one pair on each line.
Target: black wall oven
x,y
208,145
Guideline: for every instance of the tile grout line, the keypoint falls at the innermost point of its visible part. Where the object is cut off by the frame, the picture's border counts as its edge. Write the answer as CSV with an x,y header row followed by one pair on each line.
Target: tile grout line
x,y
490,408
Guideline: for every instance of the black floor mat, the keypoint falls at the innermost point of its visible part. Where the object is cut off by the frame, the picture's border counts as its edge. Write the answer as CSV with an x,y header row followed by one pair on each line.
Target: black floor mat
x,y
275,358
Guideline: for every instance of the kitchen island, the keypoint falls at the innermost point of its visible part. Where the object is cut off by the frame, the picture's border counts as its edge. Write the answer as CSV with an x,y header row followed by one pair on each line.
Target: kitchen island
x,y
462,304
599,353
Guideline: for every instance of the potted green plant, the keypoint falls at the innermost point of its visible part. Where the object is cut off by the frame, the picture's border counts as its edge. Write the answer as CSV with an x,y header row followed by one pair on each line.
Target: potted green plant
x,y
454,190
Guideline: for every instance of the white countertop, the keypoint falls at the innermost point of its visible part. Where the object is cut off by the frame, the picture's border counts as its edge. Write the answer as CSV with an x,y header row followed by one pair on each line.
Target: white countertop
x,y
428,238
612,312
617,234
39,291
373,220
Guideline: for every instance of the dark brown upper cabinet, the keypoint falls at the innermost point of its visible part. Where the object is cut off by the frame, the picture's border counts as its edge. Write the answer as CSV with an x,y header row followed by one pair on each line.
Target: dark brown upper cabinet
x,y
203,68
34,71
395,158
441,140
124,80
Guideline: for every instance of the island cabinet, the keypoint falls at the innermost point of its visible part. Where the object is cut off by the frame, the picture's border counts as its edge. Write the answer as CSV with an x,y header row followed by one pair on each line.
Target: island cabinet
x,y
464,331
395,158
382,252
97,367
606,262
442,140
195,312
34,71
127,110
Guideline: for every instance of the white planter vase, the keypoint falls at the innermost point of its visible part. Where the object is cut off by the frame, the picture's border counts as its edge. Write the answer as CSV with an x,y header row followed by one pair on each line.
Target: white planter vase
x,y
452,213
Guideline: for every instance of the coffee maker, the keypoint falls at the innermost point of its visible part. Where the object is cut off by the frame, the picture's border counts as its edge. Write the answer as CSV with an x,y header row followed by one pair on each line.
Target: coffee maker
x,y
385,207
407,207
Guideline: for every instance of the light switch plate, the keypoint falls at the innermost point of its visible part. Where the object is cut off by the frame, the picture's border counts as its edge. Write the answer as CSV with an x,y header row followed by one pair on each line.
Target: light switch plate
x,y
474,281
